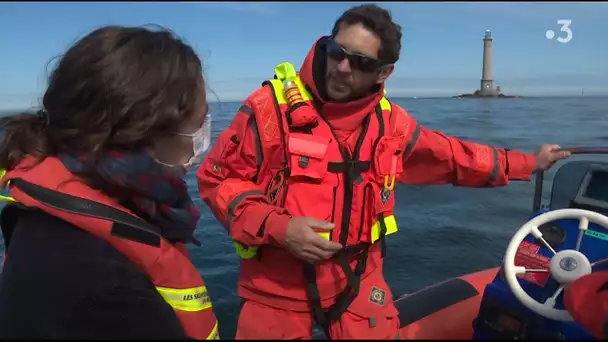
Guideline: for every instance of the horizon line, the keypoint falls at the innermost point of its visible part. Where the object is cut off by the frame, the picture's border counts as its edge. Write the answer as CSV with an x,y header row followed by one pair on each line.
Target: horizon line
x,y
31,108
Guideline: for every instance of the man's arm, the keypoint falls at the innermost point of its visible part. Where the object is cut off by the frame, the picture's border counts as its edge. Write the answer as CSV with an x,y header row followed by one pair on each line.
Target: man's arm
x,y
436,158
225,181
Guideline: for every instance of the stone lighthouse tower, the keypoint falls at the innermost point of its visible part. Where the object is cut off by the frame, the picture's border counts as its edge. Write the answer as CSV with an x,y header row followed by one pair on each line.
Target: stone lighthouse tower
x,y
487,89
486,72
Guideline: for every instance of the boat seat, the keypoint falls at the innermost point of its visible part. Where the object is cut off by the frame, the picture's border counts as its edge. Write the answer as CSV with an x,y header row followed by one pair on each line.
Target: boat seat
x,y
422,303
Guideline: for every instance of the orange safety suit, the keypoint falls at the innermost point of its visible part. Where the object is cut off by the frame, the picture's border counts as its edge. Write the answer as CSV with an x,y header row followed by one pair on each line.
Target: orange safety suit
x,y
336,162
587,301
50,187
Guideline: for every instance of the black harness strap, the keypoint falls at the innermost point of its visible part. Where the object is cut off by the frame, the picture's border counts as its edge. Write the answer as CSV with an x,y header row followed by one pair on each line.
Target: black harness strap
x,y
382,236
124,225
354,167
351,168
345,298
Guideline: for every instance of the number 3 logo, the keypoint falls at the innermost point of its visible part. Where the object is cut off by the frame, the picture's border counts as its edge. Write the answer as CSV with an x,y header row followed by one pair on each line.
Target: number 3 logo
x,y
565,28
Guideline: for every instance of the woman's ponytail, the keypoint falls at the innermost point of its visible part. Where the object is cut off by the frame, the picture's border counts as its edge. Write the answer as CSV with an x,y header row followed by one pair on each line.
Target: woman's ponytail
x,y
21,134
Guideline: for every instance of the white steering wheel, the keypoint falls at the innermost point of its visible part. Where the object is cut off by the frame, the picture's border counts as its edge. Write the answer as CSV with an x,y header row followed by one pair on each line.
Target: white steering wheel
x,y
565,266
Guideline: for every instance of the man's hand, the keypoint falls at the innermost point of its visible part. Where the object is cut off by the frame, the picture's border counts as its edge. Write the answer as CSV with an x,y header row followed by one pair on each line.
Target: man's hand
x,y
547,155
304,243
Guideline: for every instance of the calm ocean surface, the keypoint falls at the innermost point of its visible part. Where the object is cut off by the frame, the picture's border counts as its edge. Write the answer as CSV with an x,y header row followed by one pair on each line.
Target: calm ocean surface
x,y
445,231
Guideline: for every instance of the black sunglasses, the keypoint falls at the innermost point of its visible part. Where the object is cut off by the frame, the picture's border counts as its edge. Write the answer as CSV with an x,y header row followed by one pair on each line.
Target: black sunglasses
x,y
357,61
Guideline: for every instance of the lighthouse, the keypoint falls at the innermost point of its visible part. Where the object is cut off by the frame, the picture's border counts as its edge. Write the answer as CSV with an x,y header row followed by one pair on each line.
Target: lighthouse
x,y
486,88
487,84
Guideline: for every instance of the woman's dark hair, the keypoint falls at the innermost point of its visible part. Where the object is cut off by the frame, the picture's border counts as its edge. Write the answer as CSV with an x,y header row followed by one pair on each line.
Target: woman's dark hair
x,y
118,87
379,21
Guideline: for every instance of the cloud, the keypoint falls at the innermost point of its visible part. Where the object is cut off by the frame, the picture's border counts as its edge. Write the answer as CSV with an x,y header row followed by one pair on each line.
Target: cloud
x,y
414,91
441,16
528,86
237,80
532,80
266,8
236,89
531,11
19,101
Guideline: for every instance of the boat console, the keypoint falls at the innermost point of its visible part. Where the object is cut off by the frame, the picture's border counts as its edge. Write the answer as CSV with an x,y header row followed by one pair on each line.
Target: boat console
x,y
561,242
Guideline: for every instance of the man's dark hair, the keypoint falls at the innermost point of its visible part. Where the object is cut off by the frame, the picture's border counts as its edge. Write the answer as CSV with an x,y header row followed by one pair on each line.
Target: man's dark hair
x,y
379,21
118,87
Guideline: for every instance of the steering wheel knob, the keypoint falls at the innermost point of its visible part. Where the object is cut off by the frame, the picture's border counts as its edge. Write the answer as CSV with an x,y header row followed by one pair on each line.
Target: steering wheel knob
x,y
569,265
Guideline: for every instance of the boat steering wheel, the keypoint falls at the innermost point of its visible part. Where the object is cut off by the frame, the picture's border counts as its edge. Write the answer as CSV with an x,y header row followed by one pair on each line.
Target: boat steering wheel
x,y
565,266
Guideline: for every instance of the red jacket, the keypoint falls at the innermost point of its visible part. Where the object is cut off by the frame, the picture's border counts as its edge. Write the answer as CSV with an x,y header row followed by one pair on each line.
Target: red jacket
x,y
587,301
234,181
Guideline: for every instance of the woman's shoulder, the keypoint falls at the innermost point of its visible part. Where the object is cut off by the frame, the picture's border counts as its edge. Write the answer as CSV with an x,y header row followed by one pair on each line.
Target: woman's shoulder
x,y
53,247
37,234
48,248
57,273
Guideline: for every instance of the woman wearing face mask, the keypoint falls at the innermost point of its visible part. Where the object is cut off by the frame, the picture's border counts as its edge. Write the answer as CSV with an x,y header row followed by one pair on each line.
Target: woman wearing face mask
x,y
99,216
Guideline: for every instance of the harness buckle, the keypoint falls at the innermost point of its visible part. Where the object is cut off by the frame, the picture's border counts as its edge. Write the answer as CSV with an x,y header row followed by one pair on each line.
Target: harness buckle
x,y
389,185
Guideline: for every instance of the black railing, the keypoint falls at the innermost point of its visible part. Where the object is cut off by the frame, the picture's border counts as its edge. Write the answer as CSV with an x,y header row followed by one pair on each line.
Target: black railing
x,y
538,191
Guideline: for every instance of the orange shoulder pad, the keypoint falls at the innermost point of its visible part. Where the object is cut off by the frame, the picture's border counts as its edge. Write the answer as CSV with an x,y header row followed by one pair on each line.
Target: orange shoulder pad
x,y
263,104
401,123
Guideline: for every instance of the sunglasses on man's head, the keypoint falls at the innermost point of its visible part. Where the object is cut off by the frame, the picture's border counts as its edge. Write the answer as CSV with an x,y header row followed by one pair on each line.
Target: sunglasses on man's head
x,y
357,61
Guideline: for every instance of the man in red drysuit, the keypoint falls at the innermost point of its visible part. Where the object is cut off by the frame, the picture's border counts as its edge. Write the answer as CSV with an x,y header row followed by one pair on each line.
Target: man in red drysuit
x,y
303,181
587,301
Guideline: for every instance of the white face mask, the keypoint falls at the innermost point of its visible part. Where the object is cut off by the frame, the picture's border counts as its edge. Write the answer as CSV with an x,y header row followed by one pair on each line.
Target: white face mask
x,y
201,140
